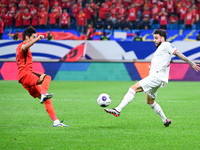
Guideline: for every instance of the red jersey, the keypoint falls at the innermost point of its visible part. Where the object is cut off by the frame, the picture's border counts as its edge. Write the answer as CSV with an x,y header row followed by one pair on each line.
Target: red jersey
x,y
65,4
13,9
178,7
160,5
132,14
102,12
32,9
65,18
127,3
35,20
75,12
18,20
93,7
22,10
52,18
87,13
118,6
163,20
139,4
22,3
24,61
58,10
122,13
8,19
188,4
146,14
113,12
195,14
81,19
189,19
26,22
107,4
155,12
4,8
173,19
183,12
170,7
43,18
53,3
2,15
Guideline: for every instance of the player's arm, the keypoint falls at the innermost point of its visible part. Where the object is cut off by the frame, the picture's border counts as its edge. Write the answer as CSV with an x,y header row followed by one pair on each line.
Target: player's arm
x,y
29,44
184,58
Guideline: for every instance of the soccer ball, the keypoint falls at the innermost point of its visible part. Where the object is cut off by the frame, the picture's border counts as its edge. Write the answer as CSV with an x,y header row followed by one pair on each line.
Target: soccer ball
x,y
104,100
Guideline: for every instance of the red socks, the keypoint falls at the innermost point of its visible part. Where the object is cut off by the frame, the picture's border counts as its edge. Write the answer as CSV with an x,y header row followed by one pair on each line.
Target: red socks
x,y
50,110
45,84
48,105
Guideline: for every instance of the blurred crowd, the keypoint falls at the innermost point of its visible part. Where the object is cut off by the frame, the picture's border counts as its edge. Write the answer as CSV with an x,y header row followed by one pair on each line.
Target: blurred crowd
x,y
99,14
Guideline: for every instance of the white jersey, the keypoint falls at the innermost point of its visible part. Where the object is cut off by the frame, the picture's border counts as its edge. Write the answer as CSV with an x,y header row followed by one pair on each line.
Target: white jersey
x,y
161,61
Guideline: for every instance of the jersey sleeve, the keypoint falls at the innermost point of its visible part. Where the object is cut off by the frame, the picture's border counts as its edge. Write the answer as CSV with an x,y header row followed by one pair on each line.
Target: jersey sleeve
x,y
170,48
19,48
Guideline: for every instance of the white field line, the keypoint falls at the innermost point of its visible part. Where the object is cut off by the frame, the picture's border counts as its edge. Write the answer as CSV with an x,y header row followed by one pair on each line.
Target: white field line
x,y
74,100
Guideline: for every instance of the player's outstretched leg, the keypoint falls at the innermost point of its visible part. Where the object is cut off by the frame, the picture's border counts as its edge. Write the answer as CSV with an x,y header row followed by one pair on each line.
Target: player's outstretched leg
x,y
167,122
113,112
126,100
50,110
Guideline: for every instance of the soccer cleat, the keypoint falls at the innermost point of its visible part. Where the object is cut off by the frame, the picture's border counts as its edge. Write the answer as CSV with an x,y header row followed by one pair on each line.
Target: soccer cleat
x,y
168,122
59,124
45,97
113,112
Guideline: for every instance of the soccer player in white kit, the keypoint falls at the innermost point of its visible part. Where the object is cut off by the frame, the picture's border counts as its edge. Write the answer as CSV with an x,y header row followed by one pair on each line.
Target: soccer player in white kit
x,y
158,76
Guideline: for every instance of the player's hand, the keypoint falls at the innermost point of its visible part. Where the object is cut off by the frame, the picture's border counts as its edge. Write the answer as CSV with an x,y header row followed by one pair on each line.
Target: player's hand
x,y
40,37
196,67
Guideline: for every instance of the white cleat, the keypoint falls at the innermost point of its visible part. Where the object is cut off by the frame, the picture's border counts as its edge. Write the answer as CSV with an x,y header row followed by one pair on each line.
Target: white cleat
x,y
59,124
112,111
45,97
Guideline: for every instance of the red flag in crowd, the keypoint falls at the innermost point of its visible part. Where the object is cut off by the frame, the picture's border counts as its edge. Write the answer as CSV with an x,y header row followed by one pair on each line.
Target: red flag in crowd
x,y
75,54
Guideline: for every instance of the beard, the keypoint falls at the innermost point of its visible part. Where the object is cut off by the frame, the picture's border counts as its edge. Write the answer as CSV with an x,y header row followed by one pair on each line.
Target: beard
x,y
158,44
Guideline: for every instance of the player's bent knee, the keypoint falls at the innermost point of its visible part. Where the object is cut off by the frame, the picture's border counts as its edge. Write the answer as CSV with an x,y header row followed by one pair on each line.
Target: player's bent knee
x,y
150,100
44,77
47,77
136,87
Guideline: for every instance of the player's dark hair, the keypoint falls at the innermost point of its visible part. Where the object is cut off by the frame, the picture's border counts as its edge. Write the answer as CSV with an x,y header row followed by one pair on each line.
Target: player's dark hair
x,y
161,32
28,32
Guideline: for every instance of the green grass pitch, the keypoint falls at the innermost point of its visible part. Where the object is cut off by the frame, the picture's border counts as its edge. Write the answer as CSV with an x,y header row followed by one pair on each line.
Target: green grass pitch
x,y
24,123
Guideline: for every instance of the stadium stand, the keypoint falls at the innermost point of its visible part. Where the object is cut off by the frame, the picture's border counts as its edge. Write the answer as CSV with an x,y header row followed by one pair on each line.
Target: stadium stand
x,y
73,16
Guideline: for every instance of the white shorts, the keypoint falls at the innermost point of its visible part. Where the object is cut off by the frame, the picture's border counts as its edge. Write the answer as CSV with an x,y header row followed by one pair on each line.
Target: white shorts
x,y
150,85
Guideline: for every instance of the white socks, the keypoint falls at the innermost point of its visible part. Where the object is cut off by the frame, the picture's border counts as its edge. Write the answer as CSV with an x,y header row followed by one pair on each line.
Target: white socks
x,y
127,99
56,121
157,109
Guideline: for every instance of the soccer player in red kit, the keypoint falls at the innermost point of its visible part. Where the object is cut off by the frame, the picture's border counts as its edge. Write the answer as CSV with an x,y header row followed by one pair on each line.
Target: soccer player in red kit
x,y
31,80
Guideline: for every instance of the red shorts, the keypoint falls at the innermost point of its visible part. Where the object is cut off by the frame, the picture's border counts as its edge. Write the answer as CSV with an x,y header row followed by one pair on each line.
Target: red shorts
x,y
29,82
